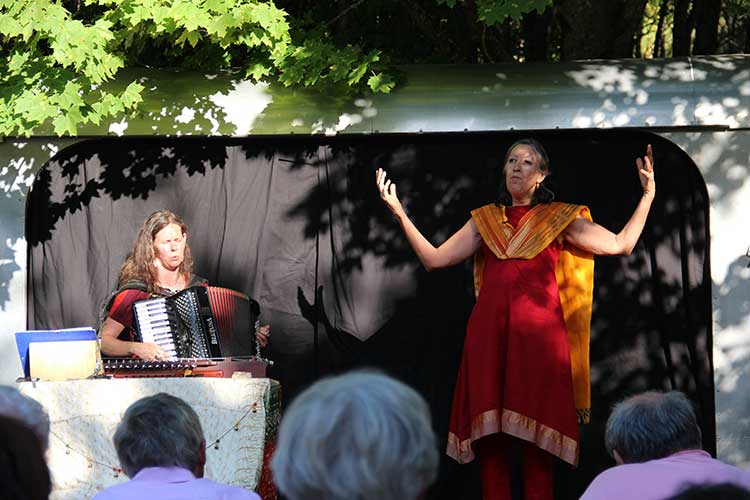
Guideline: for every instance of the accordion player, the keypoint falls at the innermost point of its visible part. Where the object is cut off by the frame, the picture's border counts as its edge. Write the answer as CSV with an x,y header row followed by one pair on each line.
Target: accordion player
x,y
199,322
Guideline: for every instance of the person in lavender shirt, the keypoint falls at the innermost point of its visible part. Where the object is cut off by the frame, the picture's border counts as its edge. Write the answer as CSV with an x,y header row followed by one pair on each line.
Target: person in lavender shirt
x,y
162,450
655,439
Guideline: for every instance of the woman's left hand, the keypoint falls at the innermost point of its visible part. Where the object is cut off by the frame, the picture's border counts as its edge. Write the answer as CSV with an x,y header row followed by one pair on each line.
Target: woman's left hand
x,y
646,172
262,334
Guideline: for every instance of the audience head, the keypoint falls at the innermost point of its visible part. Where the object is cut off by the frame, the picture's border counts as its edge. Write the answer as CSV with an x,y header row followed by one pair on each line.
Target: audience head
x,y
357,436
160,431
723,491
30,412
23,470
651,425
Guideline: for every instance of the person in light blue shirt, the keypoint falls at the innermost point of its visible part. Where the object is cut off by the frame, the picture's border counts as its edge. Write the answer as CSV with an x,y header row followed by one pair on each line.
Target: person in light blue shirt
x,y
162,450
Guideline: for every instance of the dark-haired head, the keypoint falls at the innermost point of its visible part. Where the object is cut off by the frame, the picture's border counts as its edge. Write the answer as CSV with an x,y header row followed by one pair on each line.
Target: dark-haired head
x,y
722,491
652,425
23,470
160,431
542,193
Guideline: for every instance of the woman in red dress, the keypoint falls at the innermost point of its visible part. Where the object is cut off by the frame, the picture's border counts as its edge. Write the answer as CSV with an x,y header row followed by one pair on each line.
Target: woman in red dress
x,y
523,382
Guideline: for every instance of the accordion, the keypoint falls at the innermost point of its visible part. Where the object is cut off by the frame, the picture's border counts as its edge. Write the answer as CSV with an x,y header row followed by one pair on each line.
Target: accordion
x,y
199,322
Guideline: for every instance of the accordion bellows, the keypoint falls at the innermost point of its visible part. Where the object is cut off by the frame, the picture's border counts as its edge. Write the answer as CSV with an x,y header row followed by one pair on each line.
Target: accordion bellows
x,y
199,322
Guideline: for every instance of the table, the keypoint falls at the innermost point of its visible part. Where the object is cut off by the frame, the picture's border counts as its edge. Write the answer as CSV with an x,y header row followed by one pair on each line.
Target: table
x,y
239,416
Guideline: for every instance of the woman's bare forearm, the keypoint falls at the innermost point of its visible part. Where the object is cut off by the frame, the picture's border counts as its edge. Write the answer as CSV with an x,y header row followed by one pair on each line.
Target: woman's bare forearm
x,y
461,245
426,251
629,235
112,346
458,247
599,240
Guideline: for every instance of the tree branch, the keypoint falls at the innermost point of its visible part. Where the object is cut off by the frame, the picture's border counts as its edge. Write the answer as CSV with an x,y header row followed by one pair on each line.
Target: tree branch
x,y
344,12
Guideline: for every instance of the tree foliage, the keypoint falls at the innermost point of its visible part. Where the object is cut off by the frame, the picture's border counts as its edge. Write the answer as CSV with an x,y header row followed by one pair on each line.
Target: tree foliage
x,y
55,57
493,12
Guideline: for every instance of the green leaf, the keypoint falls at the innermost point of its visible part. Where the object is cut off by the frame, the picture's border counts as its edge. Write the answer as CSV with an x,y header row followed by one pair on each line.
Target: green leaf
x,y
381,82
66,123
220,25
18,61
9,26
357,73
69,97
34,107
193,38
216,5
492,12
132,95
257,71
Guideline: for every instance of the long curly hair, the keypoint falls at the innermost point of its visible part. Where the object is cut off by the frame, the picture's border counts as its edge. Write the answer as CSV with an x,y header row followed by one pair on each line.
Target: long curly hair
x,y
542,194
139,264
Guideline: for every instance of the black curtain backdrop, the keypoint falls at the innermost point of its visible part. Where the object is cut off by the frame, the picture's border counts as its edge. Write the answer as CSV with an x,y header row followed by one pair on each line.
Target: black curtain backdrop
x,y
297,224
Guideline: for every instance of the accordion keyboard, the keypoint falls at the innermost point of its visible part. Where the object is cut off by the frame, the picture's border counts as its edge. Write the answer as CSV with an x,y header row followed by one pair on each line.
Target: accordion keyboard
x,y
154,319
182,324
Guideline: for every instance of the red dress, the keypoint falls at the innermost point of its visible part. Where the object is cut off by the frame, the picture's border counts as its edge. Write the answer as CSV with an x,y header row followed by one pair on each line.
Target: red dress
x,y
515,374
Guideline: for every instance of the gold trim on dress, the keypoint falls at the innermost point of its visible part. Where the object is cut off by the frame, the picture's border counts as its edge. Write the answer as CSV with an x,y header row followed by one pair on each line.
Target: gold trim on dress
x,y
517,425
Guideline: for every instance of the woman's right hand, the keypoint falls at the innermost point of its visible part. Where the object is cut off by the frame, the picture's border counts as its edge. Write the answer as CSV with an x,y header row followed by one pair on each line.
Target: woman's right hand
x,y
387,191
148,351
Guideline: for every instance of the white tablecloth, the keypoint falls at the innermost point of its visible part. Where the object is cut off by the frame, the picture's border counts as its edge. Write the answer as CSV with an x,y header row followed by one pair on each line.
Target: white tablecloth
x,y
241,412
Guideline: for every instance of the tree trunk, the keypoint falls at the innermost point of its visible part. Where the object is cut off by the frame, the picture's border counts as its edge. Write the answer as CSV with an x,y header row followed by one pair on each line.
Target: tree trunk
x,y
594,29
425,24
473,31
706,19
659,39
535,30
682,28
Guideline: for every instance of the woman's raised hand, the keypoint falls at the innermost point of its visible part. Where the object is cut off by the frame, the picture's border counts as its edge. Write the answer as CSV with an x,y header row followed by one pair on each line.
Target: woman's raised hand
x,y
387,191
646,172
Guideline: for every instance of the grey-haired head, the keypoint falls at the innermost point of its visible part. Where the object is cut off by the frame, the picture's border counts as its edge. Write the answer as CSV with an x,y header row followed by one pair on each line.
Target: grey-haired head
x,y
361,435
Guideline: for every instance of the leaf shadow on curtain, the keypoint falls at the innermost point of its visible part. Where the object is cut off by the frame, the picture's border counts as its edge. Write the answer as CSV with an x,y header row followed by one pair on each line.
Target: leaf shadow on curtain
x,y
297,224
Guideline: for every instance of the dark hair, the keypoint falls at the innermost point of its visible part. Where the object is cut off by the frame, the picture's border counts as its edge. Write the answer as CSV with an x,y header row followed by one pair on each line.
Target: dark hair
x,y
139,265
159,431
652,425
543,194
29,411
23,471
721,491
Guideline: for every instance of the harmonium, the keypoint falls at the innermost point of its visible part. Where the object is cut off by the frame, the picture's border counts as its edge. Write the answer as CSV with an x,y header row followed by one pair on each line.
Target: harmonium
x,y
206,331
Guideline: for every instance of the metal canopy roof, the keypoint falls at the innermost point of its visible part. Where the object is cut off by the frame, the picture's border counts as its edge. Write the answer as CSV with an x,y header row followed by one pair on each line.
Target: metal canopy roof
x,y
666,93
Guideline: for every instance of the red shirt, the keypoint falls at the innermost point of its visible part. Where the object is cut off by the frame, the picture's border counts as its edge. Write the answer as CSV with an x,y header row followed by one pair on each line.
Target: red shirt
x,y
122,311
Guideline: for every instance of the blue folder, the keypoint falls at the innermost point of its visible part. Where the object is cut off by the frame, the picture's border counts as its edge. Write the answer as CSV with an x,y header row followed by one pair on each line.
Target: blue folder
x,y
24,338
